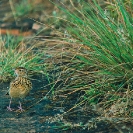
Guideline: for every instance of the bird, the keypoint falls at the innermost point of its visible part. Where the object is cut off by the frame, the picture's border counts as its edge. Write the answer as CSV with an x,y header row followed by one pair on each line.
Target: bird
x,y
19,87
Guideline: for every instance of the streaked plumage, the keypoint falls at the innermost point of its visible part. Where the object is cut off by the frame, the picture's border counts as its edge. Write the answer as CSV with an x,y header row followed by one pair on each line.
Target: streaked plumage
x,y
20,87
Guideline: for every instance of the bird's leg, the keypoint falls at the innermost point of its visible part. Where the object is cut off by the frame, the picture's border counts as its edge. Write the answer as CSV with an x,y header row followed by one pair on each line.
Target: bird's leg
x,y
20,107
9,107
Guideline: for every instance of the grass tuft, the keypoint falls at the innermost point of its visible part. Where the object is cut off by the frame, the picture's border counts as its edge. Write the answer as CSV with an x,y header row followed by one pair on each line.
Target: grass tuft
x,y
109,50
15,51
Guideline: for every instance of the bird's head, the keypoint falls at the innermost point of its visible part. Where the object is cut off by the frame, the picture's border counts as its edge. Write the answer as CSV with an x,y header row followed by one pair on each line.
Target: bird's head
x,y
21,72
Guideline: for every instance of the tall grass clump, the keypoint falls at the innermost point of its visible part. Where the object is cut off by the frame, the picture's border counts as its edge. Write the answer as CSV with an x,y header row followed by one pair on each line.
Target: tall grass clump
x,y
109,44
17,51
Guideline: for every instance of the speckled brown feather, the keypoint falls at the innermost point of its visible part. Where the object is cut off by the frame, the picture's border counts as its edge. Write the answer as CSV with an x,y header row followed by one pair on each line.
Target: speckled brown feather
x,y
21,86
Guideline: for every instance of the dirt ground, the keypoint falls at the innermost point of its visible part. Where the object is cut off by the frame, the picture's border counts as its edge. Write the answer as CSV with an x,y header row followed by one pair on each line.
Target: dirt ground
x,y
44,114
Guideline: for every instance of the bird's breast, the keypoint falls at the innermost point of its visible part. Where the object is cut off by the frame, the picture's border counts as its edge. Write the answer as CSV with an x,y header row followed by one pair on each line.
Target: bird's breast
x,y
20,87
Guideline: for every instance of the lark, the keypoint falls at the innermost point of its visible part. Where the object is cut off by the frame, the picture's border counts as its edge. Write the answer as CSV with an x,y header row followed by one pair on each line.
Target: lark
x,y
20,87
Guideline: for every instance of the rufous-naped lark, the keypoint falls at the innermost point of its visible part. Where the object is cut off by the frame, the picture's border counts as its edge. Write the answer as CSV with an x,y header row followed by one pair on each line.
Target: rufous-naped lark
x,y
20,87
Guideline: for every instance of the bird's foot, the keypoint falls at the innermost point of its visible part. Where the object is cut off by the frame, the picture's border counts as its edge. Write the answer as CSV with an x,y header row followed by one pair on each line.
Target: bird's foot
x,y
9,108
20,109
